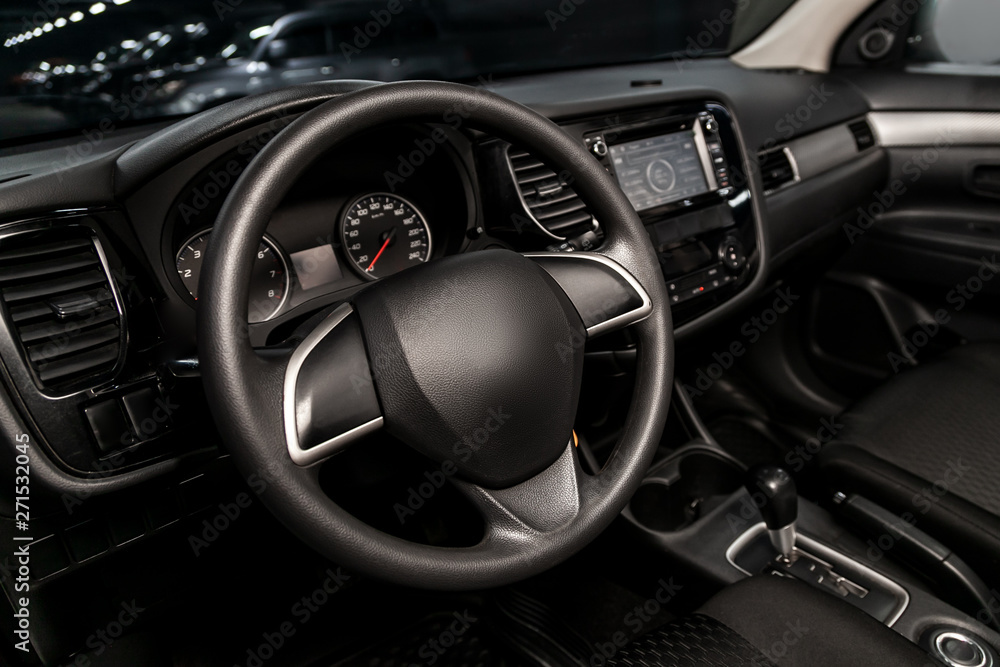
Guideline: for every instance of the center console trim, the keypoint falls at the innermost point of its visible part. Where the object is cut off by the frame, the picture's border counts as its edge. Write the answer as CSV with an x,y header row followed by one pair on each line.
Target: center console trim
x,y
819,549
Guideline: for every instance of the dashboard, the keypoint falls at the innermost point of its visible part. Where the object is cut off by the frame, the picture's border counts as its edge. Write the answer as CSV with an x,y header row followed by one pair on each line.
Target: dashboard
x,y
702,166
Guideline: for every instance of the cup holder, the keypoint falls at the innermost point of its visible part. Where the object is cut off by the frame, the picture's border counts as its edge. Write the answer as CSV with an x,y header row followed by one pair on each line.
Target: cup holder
x,y
684,488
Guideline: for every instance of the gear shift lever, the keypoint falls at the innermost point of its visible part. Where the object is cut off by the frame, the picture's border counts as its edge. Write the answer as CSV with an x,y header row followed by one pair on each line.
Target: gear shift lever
x,y
780,506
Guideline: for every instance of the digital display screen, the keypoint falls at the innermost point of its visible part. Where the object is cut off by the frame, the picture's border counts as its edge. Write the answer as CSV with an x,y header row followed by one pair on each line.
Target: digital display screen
x,y
316,266
659,170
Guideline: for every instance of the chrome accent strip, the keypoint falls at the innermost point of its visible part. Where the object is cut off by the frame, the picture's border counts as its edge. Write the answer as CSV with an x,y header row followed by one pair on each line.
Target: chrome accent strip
x,y
623,320
819,549
306,457
706,160
266,240
985,659
900,129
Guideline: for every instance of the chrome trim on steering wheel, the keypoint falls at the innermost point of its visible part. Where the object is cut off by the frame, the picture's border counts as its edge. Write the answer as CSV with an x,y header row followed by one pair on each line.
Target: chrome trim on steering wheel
x,y
326,449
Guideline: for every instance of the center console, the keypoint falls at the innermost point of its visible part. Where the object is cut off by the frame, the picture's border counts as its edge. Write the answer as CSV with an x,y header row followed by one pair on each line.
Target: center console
x,y
681,168
701,506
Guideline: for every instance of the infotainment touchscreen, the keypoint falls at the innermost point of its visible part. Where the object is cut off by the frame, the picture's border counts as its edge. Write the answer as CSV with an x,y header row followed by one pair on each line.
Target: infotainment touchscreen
x,y
659,170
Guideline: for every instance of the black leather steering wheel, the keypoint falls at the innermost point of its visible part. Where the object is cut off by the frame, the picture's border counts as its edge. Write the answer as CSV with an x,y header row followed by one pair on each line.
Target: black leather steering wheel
x,y
483,349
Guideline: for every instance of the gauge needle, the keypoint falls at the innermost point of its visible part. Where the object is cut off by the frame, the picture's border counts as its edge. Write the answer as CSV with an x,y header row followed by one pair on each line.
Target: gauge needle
x,y
381,250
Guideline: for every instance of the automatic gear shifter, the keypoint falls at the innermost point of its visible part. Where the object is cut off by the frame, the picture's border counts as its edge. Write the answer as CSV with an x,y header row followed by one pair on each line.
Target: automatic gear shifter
x,y
780,506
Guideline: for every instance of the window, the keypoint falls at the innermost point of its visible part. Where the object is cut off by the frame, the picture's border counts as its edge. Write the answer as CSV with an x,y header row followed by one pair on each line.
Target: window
x,y
301,41
962,32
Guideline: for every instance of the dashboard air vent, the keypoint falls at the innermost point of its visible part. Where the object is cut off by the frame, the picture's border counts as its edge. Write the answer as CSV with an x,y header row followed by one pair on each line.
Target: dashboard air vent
x,y
863,135
551,202
61,306
776,169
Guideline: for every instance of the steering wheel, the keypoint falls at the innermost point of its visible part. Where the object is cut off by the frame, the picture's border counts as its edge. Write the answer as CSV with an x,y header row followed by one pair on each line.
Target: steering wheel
x,y
474,360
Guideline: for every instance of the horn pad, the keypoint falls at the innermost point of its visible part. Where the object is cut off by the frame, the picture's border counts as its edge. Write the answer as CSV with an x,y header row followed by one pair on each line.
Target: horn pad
x,y
477,360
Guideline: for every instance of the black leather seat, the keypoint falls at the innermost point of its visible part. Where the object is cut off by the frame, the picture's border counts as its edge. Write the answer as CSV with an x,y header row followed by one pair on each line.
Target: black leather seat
x,y
768,620
926,445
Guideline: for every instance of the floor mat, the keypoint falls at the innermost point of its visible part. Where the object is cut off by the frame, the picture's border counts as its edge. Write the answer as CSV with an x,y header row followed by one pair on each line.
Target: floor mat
x,y
456,639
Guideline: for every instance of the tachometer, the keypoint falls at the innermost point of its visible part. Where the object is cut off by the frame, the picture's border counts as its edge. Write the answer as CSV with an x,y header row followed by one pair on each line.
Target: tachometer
x,y
268,282
384,234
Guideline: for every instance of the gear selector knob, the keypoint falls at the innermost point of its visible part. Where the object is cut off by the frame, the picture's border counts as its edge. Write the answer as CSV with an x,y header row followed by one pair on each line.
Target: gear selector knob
x,y
780,504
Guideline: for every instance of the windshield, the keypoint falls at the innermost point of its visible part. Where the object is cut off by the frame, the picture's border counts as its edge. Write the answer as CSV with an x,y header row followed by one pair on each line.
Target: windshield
x,y
69,65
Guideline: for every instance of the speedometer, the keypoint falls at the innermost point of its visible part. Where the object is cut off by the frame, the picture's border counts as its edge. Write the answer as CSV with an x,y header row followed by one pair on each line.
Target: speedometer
x,y
268,281
384,234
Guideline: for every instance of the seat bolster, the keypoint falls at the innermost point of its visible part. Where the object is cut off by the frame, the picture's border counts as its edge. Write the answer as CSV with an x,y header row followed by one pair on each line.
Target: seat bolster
x,y
793,624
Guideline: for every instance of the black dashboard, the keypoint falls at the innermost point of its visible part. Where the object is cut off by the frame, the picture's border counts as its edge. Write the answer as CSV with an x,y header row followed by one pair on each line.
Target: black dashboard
x,y
706,167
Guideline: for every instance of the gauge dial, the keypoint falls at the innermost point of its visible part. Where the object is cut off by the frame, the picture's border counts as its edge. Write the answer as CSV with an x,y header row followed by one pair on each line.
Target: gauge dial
x,y
268,280
384,234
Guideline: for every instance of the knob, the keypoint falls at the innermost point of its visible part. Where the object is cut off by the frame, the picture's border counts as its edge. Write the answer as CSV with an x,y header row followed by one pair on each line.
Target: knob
x,y
599,148
773,491
710,125
732,254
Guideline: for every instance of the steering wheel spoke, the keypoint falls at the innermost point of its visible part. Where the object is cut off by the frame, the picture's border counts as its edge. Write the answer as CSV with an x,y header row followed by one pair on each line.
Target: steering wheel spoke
x,y
328,394
544,503
604,293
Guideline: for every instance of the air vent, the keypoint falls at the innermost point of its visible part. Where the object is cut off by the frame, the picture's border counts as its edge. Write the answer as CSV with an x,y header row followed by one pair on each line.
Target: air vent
x,y
776,169
61,307
863,135
552,203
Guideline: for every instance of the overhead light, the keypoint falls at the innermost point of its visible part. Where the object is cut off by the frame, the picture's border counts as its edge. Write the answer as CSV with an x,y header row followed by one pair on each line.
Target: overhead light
x,y
97,8
76,16
44,66
101,55
27,35
60,22
129,44
37,32
47,27
153,36
228,51
121,2
70,69
163,41
257,33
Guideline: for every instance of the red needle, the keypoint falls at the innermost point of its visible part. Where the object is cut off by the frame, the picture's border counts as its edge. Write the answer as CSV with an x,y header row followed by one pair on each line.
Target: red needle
x,y
380,251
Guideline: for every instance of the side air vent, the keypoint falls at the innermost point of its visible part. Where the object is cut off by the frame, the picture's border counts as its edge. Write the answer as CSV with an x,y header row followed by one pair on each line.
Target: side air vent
x,y
550,202
776,169
863,135
61,306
